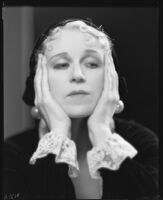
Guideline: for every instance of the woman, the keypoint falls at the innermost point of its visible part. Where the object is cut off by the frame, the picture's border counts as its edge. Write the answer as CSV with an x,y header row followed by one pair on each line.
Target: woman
x,y
80,149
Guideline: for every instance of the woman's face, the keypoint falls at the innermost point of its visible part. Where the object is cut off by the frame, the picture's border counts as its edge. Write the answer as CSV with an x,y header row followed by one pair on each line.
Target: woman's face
x,y
74,64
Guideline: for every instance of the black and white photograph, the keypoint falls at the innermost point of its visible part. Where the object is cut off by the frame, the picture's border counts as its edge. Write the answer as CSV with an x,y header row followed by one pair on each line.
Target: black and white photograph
x,y
81,102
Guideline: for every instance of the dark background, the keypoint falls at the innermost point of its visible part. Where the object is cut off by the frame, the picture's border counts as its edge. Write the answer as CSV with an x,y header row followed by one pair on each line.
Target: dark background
x,y
134,31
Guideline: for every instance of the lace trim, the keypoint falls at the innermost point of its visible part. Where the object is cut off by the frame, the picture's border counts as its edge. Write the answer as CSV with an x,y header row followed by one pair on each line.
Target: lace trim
x,y
109,154
62,147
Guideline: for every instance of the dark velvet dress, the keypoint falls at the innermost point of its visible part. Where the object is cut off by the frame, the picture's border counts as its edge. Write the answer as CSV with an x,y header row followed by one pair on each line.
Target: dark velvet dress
x,y
137,178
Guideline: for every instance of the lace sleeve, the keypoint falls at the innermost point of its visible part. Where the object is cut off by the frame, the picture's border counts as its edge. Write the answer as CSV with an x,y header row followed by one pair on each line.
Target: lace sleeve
x,y
109,154
62,147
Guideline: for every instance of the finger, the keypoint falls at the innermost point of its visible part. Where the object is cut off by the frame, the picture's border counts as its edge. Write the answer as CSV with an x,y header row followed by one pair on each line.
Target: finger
x,y
115,77
37,81
36,76
45,85
108,73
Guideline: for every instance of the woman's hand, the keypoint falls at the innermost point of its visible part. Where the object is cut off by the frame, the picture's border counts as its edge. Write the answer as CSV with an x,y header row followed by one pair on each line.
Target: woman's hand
x,y
99,122
54,116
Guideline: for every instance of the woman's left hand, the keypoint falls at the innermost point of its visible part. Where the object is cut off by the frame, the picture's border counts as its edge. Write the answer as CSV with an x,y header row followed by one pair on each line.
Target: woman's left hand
x,y
100,120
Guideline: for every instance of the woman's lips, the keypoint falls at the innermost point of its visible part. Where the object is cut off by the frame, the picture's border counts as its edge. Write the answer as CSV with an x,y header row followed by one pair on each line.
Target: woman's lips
x,y
78,92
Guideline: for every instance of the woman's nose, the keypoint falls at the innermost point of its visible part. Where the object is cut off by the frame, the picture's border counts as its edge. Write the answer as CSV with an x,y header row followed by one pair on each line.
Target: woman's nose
x,y
77,74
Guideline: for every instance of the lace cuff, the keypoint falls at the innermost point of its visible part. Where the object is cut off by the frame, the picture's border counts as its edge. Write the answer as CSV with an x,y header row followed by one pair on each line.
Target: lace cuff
x,y
62,147
109,154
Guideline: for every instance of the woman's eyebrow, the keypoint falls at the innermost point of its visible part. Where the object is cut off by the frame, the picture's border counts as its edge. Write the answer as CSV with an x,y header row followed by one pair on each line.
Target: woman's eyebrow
x,y
64,54
89,52
86,52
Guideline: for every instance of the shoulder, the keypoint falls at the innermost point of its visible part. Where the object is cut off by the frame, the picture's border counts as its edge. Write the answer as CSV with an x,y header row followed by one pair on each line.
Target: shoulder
x,y
23,143
137,134
131,127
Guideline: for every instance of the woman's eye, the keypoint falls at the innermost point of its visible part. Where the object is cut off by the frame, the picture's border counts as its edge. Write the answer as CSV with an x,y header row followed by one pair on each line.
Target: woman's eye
x,y
92,65
61,65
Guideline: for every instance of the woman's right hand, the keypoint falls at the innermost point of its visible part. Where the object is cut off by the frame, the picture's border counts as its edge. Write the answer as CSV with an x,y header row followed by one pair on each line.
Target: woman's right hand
x,y
51,112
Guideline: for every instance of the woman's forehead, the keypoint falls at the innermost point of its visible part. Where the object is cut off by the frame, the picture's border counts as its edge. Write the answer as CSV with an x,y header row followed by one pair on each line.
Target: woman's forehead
x,y
70,40
66,37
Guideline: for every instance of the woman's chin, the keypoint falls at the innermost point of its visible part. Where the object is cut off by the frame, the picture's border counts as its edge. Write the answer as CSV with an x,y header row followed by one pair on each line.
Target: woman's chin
x,y
79,113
